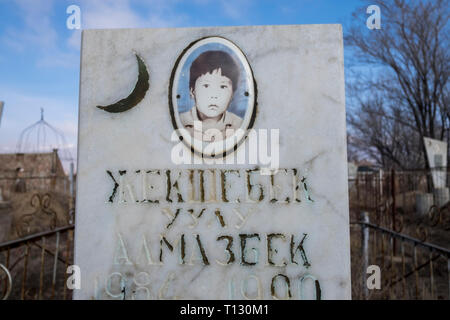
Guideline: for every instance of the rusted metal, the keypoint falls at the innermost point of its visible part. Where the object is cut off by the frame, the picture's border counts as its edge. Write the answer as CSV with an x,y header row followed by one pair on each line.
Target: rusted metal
x,y
24,277
416,272
420,267
6,267
66,265
23,259
418,242
391,267
8,282
382,251
55,265
403,269
364,251
420,287
41,276
48,251
19,242
431,275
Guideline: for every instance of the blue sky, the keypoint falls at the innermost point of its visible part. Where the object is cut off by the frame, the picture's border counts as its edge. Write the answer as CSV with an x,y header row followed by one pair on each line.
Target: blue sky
x,y
39,56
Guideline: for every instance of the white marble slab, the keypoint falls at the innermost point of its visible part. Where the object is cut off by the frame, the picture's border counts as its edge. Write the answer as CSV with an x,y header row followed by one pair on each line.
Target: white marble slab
x,y
437,158
299,73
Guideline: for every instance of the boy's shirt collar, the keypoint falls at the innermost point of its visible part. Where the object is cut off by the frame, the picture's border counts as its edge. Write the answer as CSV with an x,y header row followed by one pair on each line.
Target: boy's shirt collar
x,y
228,121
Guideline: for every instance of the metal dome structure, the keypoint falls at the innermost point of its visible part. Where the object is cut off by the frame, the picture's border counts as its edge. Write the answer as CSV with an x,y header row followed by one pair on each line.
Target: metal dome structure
x,y
41,137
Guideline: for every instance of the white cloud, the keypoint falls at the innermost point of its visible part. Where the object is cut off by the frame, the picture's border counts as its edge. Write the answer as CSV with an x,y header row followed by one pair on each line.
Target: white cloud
x,y
37,29
120,14
237,10
109,14
74,40
37,34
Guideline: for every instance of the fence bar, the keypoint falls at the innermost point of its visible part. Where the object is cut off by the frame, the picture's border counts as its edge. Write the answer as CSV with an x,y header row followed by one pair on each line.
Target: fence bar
x,y
66,265
49,252
8,288
365,252
17,243
392,266
382,251
434,251
55,264
24,277
431,274
407,238
403,268
7,266
41,277
416,271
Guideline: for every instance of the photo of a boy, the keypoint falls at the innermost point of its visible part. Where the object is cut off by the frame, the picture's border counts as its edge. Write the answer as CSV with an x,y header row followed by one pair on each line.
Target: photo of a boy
x,y
213,79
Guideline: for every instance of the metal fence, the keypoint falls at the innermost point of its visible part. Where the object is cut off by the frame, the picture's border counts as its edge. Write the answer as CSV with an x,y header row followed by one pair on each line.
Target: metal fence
x,y
404,229
37,230
34,267
409,268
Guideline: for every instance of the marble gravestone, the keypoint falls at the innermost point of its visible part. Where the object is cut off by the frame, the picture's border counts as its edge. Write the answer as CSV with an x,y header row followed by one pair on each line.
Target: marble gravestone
x,y
244,197
437,158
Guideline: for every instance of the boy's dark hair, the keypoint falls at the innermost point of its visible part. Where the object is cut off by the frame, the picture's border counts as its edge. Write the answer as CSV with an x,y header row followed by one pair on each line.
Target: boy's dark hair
x,y
209,61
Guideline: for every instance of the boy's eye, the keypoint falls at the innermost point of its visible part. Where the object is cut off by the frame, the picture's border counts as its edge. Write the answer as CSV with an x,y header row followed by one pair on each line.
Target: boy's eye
x,y
206,85
223,86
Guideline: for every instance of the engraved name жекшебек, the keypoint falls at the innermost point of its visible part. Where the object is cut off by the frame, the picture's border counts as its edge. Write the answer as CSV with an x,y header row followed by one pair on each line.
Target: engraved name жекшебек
x,y
207,186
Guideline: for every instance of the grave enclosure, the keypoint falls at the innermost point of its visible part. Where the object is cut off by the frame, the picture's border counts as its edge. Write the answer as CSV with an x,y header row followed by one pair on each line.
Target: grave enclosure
x,y
150,226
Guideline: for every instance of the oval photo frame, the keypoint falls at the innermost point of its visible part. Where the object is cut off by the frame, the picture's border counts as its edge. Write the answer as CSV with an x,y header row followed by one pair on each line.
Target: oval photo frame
x,y
220,72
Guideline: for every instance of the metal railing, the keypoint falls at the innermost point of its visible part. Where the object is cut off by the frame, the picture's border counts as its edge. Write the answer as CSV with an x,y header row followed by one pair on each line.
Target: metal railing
x,y
23,261
427,262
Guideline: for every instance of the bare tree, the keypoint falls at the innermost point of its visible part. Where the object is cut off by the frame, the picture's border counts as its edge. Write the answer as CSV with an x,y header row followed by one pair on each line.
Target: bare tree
x,y
383,134
403,95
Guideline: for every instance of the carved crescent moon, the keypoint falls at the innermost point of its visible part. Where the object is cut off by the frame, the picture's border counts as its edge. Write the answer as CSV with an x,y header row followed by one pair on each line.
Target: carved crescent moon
x,y
138,93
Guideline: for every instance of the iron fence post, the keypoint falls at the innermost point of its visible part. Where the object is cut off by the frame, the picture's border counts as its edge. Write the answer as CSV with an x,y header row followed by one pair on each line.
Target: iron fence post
x,y
364,251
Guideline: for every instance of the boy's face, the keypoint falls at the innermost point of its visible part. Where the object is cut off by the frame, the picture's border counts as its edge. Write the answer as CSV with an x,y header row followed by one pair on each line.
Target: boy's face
x,y
212,93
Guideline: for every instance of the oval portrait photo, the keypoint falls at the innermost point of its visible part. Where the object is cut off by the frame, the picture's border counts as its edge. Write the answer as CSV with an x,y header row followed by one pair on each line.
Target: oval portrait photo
x,y
212,96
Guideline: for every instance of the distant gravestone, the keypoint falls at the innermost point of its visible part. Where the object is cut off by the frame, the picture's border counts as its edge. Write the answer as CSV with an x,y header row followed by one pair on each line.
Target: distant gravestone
x,y
212,164
437,157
